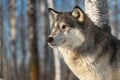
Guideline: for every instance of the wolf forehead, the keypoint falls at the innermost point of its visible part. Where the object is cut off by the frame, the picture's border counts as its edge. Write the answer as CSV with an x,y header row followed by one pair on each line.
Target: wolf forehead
x,y
66,18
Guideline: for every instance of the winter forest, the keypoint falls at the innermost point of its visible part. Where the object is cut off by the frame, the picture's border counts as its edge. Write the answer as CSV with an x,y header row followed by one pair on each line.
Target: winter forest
x,y
24,27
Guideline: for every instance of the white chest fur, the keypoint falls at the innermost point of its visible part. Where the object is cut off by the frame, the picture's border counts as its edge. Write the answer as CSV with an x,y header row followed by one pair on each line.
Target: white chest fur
x,y
82,66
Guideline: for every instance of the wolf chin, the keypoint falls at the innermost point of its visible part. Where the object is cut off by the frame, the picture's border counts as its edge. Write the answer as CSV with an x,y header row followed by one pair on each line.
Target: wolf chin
x,y
89,51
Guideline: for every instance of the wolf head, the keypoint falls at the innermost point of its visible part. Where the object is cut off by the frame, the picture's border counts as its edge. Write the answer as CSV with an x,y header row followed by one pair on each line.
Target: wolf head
x,y
66,28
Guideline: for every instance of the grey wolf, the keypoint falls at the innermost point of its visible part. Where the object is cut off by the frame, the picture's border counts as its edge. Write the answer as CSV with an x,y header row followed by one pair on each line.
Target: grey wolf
x,y
89,51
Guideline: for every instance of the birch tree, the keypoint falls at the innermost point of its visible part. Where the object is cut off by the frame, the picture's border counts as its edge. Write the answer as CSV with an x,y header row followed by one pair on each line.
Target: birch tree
x,y
46,57
116,20
12,30
97,11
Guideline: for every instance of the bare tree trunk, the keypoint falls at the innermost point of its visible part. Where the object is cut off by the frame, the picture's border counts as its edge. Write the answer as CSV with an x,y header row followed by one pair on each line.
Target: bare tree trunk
x,y
41,41
46,57
1,55
18,39
34,62
97,11
6,37
12,23
25,49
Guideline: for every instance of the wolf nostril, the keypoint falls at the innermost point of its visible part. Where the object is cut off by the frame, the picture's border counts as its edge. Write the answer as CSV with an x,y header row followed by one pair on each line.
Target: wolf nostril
x,y
50,39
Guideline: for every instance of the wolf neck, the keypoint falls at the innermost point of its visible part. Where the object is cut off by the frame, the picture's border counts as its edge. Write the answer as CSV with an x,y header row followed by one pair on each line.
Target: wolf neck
x,y
81,65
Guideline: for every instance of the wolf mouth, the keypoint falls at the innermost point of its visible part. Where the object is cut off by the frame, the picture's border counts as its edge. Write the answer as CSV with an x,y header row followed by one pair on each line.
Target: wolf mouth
x,y
55,45
52,44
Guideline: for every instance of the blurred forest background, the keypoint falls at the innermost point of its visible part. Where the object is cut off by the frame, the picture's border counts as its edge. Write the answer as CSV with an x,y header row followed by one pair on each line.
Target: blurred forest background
x,y
24,26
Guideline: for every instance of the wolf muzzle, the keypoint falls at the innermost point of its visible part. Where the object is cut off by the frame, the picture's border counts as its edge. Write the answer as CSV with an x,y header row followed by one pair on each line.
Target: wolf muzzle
x,y
50,39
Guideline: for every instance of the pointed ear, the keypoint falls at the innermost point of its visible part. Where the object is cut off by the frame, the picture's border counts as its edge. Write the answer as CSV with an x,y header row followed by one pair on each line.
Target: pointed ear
x,y
52,15
78,14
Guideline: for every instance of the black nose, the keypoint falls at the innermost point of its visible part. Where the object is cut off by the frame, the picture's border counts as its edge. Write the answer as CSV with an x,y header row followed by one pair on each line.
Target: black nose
x,y
50,39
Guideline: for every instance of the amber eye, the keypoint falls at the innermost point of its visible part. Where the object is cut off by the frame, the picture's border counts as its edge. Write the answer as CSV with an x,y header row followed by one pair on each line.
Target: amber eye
x,y
64,26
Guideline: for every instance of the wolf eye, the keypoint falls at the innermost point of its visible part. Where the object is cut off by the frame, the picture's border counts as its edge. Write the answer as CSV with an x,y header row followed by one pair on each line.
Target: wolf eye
x,y
64,26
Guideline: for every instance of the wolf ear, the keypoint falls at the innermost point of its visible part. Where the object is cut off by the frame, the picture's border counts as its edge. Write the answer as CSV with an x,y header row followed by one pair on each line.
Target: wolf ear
x,y
52,15
78,14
